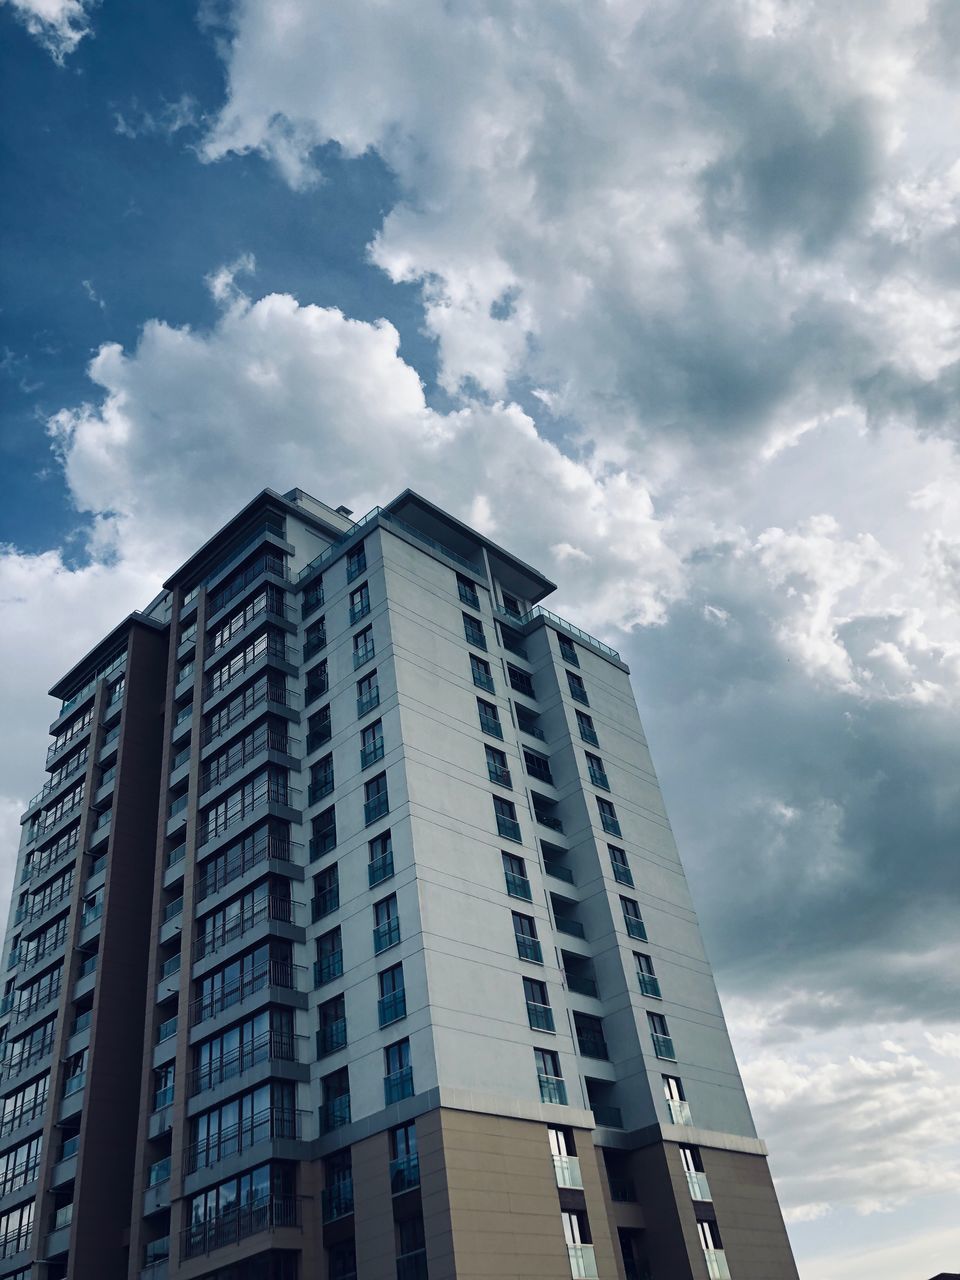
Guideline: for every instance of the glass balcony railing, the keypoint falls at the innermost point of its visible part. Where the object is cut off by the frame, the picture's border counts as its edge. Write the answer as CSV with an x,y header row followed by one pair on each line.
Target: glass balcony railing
x,y
679,1111
509,828
491,726
404,1173
331,1037
366,653
716,1261
567,1171
558,871
583,1261
328,968
649,985
518,886
663,1047
376,808
636,928
500,775
368,702
608,1117
412,1266
540,1016
386,935
392,1007
697,1185
529,948
370,755
380,869
398,1085
592,1044
553,1089
337,1201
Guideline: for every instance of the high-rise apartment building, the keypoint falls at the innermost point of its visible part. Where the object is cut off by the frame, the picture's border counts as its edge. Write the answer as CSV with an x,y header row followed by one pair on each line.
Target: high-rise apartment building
x,y
349,938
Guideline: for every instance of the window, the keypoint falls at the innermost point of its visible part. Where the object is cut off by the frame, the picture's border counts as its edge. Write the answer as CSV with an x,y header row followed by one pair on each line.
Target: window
x,y
598,775
321,779
646,976
489,718
497,767
368,694
662,1042
564,1153
404,1159
480,670
326,892
511,605
621,869
467,592
380,865
386,924
568,651
392,1005
268,1111
633,919
397,1072
692,1163
709,1234
329,962
16,1227
319,729
342,1261
578,690
590,1037
576,1232
515,874
312,598
363,648
356,562
241,1206
264,1036
315,638
587,732
506,814
677,1104
525,932
539,1013
411,1249
371,744
336,1198
318,682
608,817
520,681
552,1088
473,630
20,1165
335,1104
324,833
359,603
267,965
332,1031
22,1105
375,800
538,766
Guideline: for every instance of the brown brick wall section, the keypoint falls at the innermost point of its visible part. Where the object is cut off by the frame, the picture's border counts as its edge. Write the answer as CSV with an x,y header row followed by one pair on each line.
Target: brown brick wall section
x,y
748,1214
490,1203
373,1208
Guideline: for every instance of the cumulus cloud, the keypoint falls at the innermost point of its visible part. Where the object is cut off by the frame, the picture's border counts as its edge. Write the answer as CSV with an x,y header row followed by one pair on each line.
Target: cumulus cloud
x,y
59,25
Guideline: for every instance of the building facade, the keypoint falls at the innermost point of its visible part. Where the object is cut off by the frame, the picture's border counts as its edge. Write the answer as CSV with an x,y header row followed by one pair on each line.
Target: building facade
x,y
349,938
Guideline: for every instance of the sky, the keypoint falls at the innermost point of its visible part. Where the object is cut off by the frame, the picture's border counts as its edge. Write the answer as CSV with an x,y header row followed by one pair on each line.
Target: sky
x,y
660,295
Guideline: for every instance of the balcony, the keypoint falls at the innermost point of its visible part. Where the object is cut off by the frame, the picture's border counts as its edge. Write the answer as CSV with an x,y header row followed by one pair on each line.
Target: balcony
x,y
328,968
592,1044
622,874
166,1030
491,726
663,1047
697,1185
314,645
275,973
500,775
509,828
589,736
267,848
273,1123
404,1174
358,611
376,808
529,948
380,869
271,1046
518,886
567,924
583,1262
335,1113
552,1089
370,755
538,769
337,1201
386,935
558,871
468,594
366,653
412,1266
392,1007
317,737
241,1221
636,928
649,985
325,903
368,702
606,1116
679,1111
318,790
398,1085
332,1037
610,824
274,909
716,1261
475,636
483,681
323,841
540,1017
547,820
567,1172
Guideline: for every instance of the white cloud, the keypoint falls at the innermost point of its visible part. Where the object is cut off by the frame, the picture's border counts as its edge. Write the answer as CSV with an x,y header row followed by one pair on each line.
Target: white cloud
x,y
59,25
